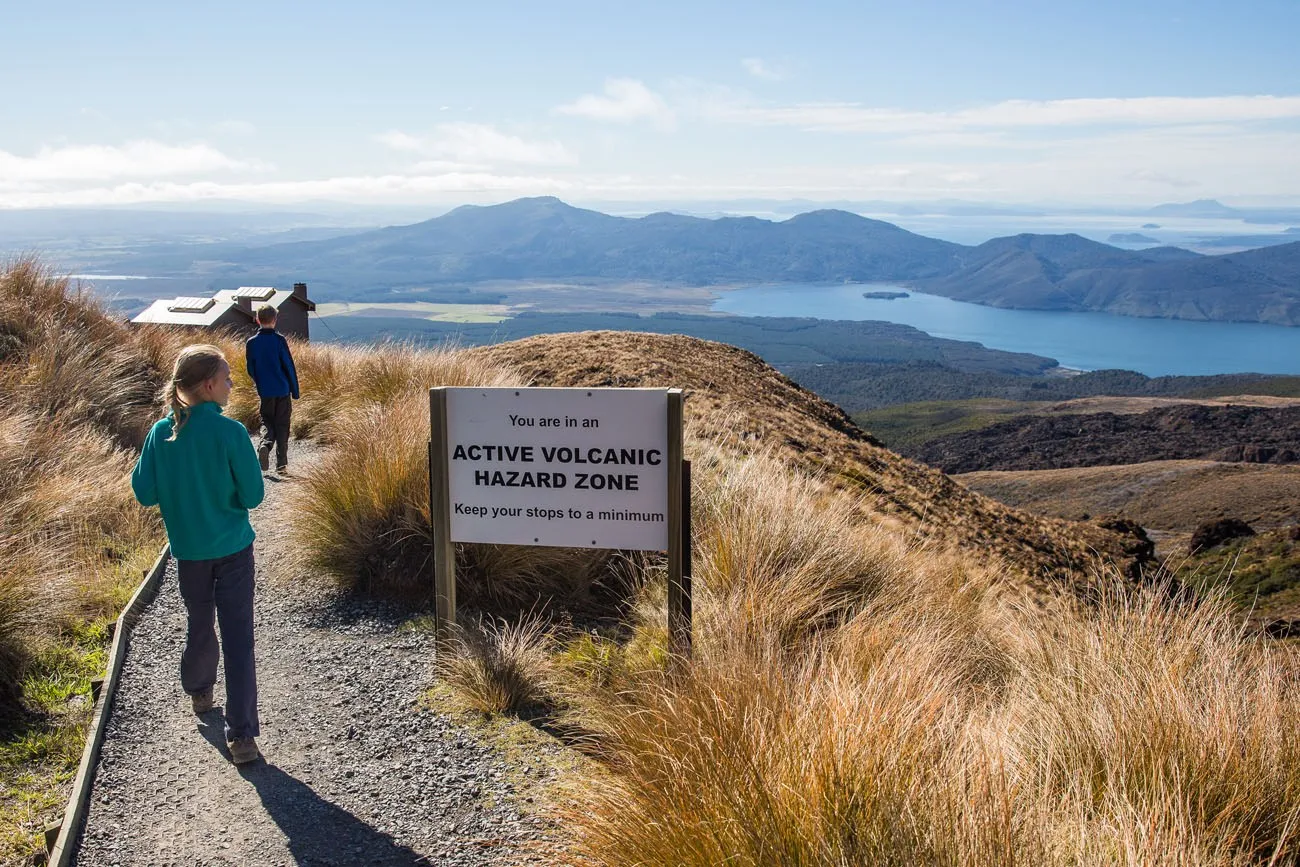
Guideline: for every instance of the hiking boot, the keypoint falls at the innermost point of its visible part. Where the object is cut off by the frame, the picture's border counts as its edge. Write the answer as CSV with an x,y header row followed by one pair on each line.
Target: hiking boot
x,y
244,750
201,701
284,471
264,456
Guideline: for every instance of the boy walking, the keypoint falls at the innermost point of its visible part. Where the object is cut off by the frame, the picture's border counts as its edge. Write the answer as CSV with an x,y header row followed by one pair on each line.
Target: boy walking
x,y
270,364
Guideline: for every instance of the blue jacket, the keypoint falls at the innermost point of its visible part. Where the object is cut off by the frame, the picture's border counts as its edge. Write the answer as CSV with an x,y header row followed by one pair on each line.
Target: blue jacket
x,y
271,365
204,481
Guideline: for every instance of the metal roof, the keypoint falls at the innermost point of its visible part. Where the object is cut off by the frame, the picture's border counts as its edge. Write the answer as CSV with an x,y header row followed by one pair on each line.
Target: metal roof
x,y
205,312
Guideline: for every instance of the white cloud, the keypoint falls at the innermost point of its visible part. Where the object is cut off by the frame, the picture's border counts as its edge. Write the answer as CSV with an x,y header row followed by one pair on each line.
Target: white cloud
x,y
1154,177
624,100
235,127
362,188
137,159
1203,154
757,68
1016,113
438,167
477,144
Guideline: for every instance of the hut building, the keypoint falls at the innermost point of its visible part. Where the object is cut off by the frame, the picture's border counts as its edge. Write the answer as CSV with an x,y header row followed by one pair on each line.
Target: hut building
x,y
235,309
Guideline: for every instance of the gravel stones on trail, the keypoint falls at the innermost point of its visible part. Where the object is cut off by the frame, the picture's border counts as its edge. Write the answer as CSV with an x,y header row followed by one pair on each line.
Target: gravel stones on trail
x,y
356,771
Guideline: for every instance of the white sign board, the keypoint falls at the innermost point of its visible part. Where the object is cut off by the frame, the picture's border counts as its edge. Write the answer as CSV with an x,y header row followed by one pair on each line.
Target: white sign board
x,y
570,467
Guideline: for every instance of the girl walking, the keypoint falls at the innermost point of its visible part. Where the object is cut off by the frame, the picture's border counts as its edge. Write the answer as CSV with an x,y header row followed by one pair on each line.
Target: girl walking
x,y
201,470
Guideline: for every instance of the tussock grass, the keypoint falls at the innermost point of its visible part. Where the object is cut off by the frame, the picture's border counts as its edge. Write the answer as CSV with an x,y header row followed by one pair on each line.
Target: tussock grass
x,y
1164,726
344,378
779,554
927,714
365,509
495,666
860,697
77,394
78,391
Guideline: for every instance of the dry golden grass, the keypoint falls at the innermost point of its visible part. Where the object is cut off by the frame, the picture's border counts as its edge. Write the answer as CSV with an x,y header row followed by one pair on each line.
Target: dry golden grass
x,y
861,692
364,511
494,666
337,379
858,699
77,393
935,718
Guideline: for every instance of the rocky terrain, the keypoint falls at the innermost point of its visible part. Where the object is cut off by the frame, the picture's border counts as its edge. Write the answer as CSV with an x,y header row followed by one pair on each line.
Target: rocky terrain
x,y
1269,435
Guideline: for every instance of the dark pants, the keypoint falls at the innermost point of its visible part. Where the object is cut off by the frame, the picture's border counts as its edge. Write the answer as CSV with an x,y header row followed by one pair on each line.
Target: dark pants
x,y
275,417
223,587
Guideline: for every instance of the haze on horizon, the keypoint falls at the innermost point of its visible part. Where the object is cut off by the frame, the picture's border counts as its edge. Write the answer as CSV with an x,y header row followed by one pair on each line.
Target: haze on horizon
x,y
423,104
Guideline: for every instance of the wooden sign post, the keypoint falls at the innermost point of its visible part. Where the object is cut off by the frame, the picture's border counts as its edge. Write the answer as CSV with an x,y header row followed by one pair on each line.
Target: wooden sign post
x,y
569,467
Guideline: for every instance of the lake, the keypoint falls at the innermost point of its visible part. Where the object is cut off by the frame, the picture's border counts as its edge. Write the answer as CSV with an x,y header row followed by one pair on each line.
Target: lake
x,y
1087,341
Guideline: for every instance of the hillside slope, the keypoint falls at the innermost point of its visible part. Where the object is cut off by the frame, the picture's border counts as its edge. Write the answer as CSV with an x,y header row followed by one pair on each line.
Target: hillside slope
x,y
1067,272
1168,496
737,400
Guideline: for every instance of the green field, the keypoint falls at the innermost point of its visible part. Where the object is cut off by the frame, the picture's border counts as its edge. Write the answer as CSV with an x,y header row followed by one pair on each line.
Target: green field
x,y
481,313
908,426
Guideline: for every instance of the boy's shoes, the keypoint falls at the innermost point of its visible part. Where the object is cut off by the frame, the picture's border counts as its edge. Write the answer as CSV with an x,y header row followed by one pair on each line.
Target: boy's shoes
x,y
283,471
244,750
264,456
201,701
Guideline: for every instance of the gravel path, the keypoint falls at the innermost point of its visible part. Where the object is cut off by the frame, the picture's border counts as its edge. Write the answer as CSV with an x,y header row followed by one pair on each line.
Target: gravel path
x,y
356,771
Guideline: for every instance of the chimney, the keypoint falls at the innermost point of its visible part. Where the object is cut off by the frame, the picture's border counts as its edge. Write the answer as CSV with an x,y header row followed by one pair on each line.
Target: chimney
x,y
300,291
245,304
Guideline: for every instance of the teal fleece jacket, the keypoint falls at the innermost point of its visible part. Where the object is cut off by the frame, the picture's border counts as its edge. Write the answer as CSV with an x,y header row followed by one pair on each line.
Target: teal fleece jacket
x,y
204,482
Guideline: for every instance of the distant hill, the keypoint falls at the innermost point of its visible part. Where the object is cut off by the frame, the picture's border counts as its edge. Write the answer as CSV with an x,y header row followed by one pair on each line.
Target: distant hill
x,y
1068,272
1216,210
1210,208
544,238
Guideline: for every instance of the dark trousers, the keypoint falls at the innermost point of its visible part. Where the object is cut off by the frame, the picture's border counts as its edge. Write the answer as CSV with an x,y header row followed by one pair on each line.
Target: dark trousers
x,y
275,418
223,587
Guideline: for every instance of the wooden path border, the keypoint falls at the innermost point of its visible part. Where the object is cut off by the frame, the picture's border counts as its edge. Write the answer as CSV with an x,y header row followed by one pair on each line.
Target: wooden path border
x,y
65,845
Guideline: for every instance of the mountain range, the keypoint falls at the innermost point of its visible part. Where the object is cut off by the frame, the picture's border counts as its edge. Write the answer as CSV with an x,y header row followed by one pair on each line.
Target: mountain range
x,y
546,238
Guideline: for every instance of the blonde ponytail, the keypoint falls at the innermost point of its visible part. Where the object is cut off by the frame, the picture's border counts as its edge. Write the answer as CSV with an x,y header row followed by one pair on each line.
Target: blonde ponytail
x,y
194,366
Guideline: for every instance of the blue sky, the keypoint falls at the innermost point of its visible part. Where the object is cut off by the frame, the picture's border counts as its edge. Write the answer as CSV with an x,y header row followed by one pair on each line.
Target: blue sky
x,y
413,103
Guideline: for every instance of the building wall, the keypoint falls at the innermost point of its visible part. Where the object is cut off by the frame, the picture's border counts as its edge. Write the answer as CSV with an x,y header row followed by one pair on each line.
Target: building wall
x,y
291,320
232,318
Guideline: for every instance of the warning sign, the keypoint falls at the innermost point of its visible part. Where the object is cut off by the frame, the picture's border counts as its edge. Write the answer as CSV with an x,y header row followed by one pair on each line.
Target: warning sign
x,y
570,467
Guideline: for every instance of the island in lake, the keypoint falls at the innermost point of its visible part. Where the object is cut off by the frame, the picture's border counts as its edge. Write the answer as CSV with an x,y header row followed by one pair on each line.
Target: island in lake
x,y
885,295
